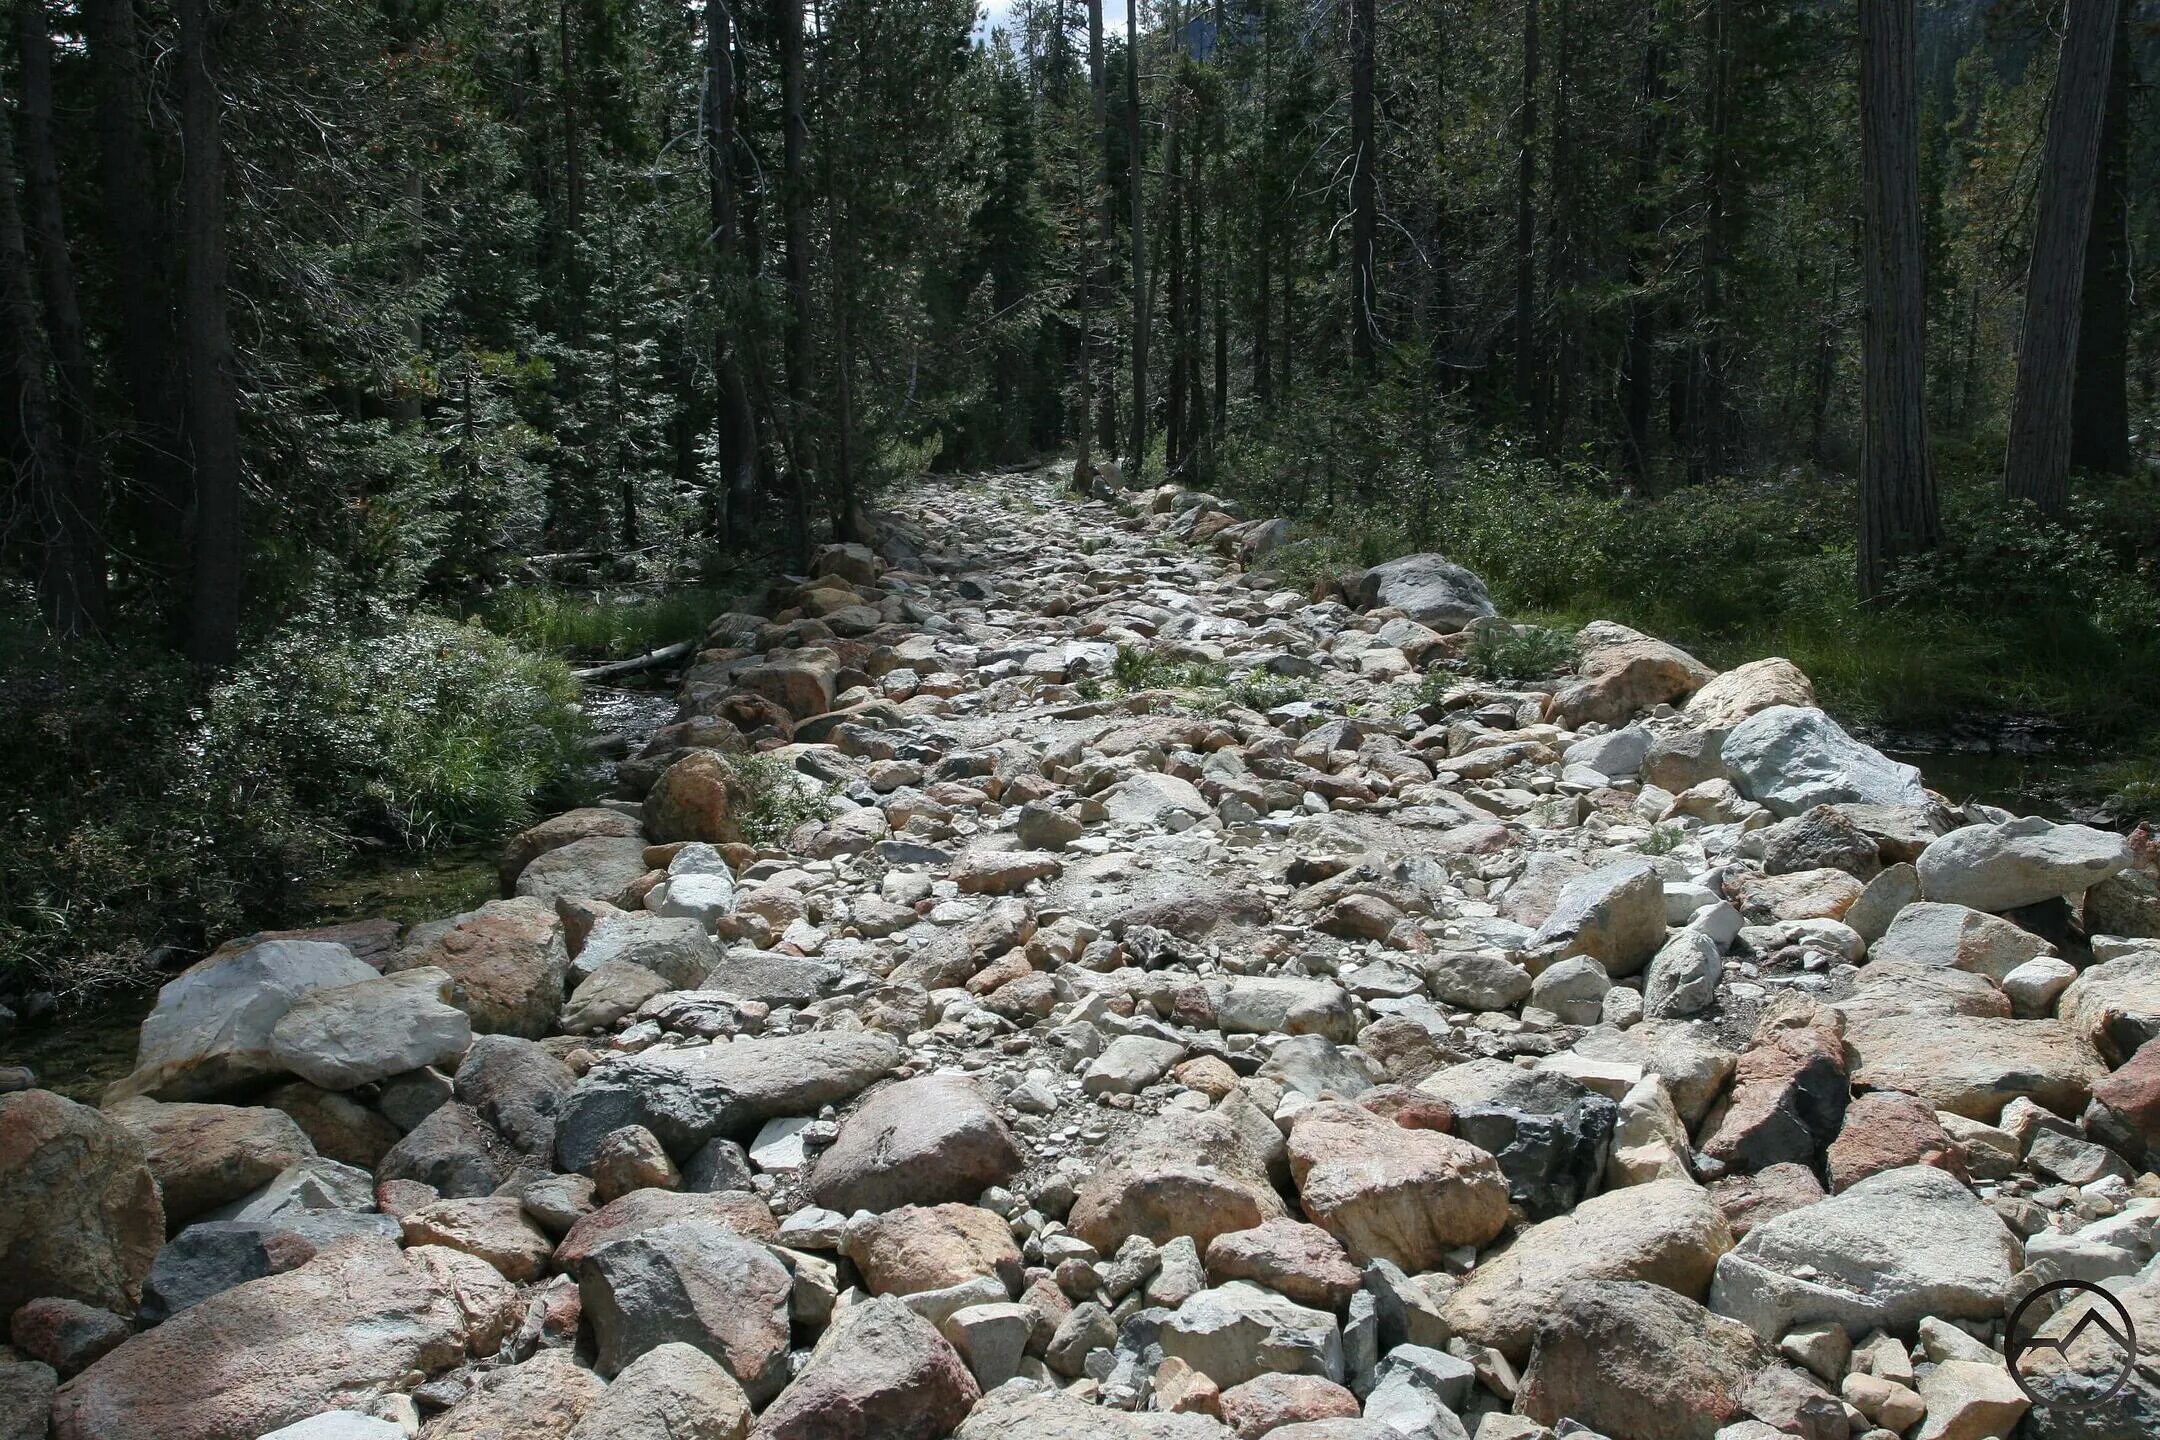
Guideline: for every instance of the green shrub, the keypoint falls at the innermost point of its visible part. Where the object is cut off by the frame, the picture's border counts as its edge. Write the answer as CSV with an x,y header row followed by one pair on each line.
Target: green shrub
x,y
1262,691
589,627
1138,669
1520,652
775,798
150,812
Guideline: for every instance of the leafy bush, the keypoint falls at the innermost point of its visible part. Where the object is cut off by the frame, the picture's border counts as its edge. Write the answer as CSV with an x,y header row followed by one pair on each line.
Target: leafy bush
x,y
1520,652
590,627
1262,691
152,813
1138,669
774,798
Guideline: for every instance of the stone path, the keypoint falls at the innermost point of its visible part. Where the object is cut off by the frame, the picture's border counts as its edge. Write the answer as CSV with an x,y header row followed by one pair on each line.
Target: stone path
x,y
1135,996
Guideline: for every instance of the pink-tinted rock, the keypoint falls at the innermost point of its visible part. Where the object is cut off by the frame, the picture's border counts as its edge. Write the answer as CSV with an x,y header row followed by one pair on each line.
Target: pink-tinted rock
x,y
1885,1130
881,1373
930,1247
507,961
343,1330
1408,1196
205,1156
1267,1402
79,1210
1301,1261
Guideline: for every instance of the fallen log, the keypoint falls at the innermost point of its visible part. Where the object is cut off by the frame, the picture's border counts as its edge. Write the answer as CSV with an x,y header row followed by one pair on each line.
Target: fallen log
x,y
650,660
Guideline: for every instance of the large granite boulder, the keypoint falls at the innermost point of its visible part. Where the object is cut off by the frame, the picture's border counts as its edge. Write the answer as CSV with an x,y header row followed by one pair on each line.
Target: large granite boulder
x,y
506,960
346,1036
80,1215
1895,1247
210,1031
2019,862
881,1372
1622,673
1635,1361
918,1142
351,1326
1430,589
1792,758
205,1156
1667,1233
1389,1193
696,1282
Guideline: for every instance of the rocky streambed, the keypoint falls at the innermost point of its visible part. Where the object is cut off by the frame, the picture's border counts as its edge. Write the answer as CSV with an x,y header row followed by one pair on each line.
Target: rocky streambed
x,y
1191,1010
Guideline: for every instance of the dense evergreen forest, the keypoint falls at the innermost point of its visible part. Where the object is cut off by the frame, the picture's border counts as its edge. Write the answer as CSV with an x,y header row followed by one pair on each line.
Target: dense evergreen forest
x,y
365,362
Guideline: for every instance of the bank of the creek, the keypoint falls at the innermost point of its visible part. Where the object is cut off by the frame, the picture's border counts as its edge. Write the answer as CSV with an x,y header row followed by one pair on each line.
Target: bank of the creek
x,y
79,1052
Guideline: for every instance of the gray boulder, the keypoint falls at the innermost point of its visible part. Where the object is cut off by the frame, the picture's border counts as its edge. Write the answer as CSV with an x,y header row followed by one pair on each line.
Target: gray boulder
x,y
1237,1331
1897,1246
1615,915
346,1036
2019,862
919,1142
1431,589
210,1031
696,1282
1551,1135
1792,758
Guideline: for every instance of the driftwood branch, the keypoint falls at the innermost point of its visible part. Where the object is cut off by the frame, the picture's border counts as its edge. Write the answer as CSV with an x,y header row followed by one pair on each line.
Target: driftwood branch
x,y
650,660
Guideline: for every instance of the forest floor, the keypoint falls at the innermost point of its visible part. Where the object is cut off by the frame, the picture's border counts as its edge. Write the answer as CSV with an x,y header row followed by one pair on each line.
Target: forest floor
x,y
1185,995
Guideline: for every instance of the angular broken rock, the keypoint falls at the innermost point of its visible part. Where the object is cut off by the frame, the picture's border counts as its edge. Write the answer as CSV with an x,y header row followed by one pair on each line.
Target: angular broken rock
x,y
1408,1196
80,1215
1743,690
1200,1175
1237,1331
696,1282
1787,1102
1301,1261
1895,1247
206,1156
1636,1360
1615,915
1956,937
686,1097
1022,1411
881,1372
507,961
671,1392
1550,1134
917,1142
1666,1233
919,1248
1623,673
1973,1065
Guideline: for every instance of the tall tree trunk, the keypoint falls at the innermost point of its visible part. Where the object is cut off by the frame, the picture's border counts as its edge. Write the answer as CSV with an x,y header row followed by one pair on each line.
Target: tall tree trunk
x,y
34,450
1526,222
1898,514
1175,440
1106,194
79,487
795,220
1219,416
1706,417
1364,196
136,239
735,428
1142,297
2100,404
212,400
1638,376
2038,466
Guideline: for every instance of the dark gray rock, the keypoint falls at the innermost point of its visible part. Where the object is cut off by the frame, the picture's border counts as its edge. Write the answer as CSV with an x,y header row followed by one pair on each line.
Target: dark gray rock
x,y
453,1150
697,1282
516,1086
216,1255
1550,1134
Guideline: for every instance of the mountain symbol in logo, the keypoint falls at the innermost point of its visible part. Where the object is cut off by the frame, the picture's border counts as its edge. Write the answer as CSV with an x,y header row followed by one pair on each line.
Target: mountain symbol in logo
x,y
2118,1328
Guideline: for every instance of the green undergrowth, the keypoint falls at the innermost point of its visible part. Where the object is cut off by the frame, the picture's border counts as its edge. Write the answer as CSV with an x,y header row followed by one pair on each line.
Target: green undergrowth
x,y
585,626
155,812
